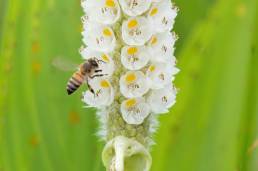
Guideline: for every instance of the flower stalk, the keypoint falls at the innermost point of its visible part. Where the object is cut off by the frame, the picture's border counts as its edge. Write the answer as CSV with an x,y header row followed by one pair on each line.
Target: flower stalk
x,y
133,40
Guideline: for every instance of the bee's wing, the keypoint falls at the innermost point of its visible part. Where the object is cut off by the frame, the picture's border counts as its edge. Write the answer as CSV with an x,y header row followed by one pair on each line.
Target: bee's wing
x,y
64,64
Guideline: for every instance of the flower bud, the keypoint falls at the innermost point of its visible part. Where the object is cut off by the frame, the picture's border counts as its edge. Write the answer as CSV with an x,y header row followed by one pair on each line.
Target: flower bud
x,y
122,154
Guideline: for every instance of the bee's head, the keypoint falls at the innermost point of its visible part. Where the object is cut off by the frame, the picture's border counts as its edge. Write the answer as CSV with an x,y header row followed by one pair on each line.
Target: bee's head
x,y
93,63
90,65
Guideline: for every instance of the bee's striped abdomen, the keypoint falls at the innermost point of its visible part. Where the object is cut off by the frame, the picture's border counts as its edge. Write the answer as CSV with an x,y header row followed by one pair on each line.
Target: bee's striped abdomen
x,y
75,82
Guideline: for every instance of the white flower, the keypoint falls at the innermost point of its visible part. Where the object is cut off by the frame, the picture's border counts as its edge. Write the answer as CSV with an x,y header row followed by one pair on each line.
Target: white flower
x,y
134,110
162,99
105,61
133,84
135,7
99,37
134,58
102,11
162,15
103,93
160,74
136,31
161,46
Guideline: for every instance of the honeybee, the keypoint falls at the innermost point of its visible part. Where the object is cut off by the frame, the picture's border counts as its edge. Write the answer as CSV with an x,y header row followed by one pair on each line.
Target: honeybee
x,y
89,69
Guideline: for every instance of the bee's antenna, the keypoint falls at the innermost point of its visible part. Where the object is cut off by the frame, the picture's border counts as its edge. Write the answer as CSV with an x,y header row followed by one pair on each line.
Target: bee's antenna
x,y
99,60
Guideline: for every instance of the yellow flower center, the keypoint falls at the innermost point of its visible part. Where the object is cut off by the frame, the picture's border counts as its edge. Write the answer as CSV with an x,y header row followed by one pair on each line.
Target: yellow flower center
x,y
132,50
154,11
133,23
130,103
152,68
107,32
104,84
130,78
110,3
105,58
154,40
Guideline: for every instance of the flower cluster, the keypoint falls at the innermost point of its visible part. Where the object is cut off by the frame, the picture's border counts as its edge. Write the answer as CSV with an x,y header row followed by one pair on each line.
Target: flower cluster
x,y
134,42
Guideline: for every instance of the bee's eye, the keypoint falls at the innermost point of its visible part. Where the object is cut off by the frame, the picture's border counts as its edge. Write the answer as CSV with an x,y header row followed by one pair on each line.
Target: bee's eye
x,y
95,64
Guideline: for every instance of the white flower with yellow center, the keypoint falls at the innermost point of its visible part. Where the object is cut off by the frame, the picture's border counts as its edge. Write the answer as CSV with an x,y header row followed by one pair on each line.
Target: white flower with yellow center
x,y
160,75
135,7
136,31
99,38
133,44
134,110
161,46
103,93
133,84
162,99
105,61
162,15
134,58
103,11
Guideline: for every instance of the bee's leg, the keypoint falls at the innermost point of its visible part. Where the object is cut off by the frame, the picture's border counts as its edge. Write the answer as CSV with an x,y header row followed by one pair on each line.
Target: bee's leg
x,y
98,75
90,88
99,70
101,61
98,60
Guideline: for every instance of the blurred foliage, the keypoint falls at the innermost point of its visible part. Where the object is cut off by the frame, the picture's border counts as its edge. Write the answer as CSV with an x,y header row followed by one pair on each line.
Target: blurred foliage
x,y
213,127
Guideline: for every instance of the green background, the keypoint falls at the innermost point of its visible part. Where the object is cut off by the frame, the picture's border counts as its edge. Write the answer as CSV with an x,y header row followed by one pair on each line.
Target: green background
x,y
213,126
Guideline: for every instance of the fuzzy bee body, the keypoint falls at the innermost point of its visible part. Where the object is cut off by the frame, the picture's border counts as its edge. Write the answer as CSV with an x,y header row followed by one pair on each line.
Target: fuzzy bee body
x,y
75,82
86,71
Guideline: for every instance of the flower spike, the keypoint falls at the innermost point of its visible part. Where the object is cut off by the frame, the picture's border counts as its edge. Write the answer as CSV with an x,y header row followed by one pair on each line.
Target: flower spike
x,y
132,44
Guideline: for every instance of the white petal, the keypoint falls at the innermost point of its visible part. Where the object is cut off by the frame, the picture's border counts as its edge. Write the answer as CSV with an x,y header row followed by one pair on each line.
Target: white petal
x,y
161,46
85,22
104,93
134,110
136,31
162,16
135,7
162,99
173,70
105,61
159,75
133,84
134,58
85,5
102,11
99,37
